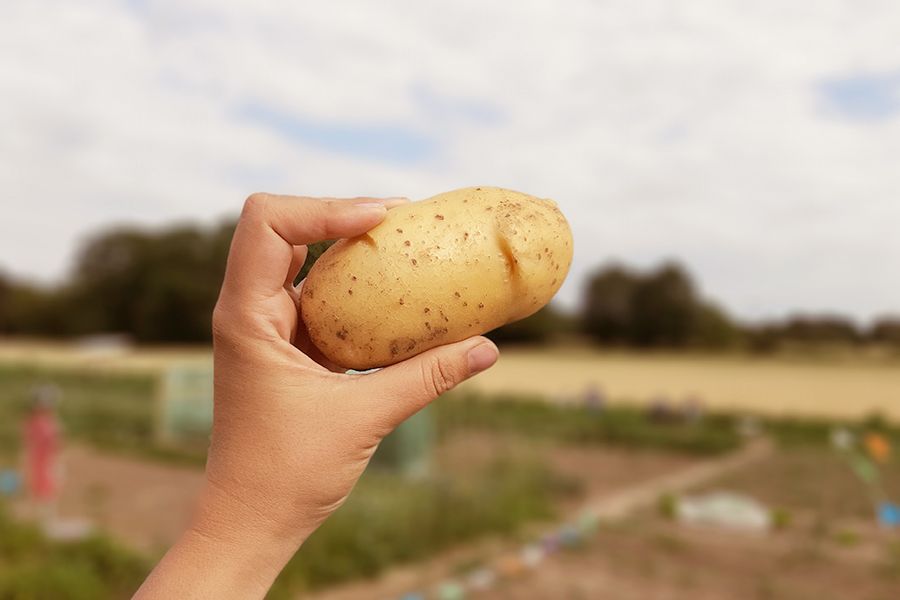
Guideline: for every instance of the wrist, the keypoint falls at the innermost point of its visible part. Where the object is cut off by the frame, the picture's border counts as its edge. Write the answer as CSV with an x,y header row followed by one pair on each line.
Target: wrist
x,y
235,550
226,516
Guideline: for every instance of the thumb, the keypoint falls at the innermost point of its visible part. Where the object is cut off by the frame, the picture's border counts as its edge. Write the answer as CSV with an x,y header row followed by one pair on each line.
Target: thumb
x,y
403,389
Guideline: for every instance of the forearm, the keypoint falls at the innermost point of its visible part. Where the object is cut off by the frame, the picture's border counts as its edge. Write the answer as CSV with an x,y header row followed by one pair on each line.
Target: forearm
x,y
226,554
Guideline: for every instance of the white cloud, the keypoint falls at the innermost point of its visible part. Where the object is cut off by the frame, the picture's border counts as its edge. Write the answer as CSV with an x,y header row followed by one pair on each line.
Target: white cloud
x,y
685,129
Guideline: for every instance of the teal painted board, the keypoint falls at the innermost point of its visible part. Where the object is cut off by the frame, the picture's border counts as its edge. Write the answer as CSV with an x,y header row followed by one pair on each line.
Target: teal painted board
x,y
185,402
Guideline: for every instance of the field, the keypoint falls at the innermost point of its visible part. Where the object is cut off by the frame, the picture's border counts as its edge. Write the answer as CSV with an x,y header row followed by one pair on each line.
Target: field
x,y
828,549
499,466
827,386
516,451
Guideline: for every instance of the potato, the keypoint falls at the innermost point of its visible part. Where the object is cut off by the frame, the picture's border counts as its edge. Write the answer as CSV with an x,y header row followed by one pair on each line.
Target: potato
x,y
434,272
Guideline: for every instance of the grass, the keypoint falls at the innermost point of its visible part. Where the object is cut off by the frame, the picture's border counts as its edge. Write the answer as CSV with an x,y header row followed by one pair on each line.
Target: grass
x,y
616,425
812,480
34,568
112,410
116,412
797,432
389,520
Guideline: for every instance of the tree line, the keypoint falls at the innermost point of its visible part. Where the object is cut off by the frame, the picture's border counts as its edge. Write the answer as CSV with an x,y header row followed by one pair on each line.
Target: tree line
x,y
662,308
161,286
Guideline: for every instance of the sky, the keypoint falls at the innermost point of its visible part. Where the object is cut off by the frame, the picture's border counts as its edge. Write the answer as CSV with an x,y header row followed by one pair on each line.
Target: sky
x,y
758,143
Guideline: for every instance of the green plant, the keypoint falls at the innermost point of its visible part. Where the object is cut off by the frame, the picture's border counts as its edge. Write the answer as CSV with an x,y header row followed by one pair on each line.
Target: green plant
x,y
390,520
667,504
890,564
812,431
846,537
621,425
35,568
781,518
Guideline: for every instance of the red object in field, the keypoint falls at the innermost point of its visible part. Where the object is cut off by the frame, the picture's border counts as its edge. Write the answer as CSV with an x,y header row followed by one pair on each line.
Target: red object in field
x,y
41,450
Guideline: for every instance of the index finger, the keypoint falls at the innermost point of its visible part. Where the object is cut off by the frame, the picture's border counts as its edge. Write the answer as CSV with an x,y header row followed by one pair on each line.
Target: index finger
x,y
270,226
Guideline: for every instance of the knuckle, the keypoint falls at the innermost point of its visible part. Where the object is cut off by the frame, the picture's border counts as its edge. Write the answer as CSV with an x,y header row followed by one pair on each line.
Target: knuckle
x,y
220,323
438,377
255,203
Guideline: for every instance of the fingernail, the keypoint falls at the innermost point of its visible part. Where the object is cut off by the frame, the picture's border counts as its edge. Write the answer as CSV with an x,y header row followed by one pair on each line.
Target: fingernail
x,y
481,357
397,199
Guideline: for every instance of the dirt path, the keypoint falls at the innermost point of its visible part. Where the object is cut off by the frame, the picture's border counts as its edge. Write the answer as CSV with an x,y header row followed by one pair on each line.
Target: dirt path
x,y
142,503
643,557
652,560
146,504
621,504
611,505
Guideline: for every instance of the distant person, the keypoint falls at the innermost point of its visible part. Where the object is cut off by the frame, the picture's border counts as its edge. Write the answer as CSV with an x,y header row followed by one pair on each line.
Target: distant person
x,y
290,437
42,444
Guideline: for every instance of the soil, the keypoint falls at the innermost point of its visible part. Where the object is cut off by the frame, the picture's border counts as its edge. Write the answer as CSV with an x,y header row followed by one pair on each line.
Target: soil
x,y
831,550
653,560
147,504
595,470
144,504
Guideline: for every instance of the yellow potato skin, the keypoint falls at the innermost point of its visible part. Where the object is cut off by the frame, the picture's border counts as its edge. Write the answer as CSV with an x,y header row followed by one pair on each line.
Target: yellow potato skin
x,y
434,272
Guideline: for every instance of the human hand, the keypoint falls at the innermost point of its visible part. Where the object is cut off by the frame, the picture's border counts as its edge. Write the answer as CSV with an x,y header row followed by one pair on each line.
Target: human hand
x,y
290,437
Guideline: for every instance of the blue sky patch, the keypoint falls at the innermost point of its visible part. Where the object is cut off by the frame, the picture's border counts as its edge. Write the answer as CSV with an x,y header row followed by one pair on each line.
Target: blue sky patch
x,y
389,142
440,106
863,96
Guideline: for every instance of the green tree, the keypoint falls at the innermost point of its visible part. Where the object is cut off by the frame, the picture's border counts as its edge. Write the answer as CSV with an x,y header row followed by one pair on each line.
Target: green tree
x,y
886,331
661,308
713,329
820,329
607,315
28,309
664,309
158,287
540,328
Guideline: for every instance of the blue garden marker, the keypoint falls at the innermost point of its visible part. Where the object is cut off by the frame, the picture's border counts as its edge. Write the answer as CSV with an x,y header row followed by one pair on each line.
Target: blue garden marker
x,y
10,482
889,515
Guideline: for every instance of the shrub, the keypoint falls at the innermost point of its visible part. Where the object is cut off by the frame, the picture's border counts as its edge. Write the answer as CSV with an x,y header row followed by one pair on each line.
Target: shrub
x,y
37,569
620,425
667,504
391,520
